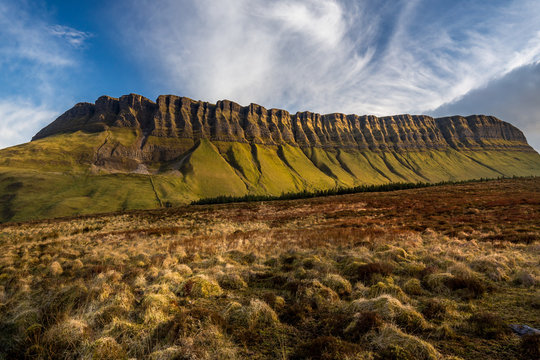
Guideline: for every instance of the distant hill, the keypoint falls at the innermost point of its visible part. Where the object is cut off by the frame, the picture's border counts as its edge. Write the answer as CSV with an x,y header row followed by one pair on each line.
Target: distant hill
x,y
132,153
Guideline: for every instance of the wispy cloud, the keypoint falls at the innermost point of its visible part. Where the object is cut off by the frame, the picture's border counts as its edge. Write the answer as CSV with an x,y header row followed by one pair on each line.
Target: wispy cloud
x,y
19,119
371,56
513,97
329,55
28,40
34,57
73,36
248,50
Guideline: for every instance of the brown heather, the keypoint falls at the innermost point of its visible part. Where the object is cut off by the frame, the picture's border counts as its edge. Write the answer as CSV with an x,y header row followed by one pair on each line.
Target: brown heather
x,y
433,273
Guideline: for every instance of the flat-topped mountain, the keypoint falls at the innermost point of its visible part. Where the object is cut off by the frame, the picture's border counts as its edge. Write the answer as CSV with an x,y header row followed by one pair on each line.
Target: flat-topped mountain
x,y
132,153
180,117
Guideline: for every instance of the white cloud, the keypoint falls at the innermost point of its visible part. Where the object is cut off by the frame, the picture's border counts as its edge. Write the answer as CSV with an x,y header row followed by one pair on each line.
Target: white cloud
x,y
319,21
73,36
513,98
26,37
248,50
328,55
34,58
20,118
349,56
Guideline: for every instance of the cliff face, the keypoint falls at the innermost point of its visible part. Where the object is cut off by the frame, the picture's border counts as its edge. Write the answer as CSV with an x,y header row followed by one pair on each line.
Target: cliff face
x,y
133,153
182,118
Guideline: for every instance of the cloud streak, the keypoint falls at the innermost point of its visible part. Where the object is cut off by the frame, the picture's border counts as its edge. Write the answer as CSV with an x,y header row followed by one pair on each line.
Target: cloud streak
x,y
355,56
28,39
328,55
73,36
513,97
20,118
34,57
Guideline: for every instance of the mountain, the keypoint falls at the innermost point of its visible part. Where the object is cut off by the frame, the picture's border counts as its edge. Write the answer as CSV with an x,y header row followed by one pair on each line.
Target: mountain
x,y
132,153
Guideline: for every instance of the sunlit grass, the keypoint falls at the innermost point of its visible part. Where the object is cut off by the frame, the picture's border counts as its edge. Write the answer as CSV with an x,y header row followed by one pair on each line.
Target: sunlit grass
x,y
415,274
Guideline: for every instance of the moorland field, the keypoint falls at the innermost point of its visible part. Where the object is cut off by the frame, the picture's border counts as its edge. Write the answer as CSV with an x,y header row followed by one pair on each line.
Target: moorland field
x,y
431,273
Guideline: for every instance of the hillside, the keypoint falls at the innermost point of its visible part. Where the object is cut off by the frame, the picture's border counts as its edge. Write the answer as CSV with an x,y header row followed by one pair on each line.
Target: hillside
x,y
437,273
133,153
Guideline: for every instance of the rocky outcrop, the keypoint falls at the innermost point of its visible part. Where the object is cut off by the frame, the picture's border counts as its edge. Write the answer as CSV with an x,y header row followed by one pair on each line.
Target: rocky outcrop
x,y
182,118
133,153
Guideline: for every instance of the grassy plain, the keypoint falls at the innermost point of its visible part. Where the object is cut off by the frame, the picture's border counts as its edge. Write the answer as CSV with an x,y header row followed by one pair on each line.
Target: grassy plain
x,y
432,273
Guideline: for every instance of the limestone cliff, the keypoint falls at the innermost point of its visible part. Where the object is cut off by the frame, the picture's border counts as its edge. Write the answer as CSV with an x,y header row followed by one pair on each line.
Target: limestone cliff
x,y
182,118
133,153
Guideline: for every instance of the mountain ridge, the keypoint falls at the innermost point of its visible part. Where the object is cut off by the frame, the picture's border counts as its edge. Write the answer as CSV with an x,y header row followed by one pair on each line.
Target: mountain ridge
x,y
180,117
133,153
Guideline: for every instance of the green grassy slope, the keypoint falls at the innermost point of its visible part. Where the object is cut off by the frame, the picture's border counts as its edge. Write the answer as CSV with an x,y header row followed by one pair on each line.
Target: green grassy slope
x,y
65,152
29,194
55,176
206,172
311,176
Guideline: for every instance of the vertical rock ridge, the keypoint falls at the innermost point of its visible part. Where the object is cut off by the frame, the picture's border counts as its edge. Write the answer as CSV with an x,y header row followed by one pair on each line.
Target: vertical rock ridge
x,y
183,118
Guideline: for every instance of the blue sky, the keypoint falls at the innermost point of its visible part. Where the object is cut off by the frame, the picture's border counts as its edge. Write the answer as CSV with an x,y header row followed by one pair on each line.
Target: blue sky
x,y
432,57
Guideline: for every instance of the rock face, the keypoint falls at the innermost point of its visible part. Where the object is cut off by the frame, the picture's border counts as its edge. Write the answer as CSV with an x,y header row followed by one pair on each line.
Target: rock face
x,y
182,118
133,153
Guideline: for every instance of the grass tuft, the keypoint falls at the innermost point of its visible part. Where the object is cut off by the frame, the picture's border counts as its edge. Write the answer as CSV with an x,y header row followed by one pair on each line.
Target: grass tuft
x,y
530,346
488,325
201,286
391,309
395,344
391,275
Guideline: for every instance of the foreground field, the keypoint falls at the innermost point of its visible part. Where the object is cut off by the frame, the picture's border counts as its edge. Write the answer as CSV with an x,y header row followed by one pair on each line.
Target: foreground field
x,y
434,273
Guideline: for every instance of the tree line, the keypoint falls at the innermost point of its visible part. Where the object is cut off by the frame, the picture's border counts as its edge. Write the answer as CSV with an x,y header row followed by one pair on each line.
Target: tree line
x,y
305,194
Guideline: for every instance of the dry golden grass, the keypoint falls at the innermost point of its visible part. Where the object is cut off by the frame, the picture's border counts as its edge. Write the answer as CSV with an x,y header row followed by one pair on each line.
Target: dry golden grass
x,y
419,274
